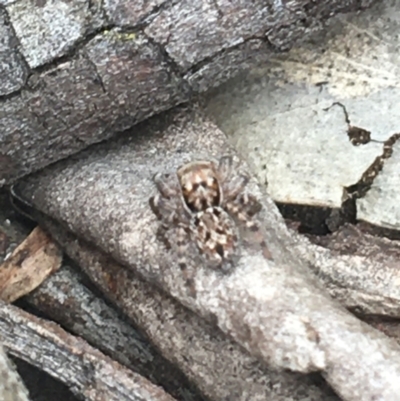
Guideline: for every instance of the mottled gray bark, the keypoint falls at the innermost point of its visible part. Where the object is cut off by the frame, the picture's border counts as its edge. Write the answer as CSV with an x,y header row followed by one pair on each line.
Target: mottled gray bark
x,y
11,386
64,298
360,270
273,308
220,368
88,372
73,73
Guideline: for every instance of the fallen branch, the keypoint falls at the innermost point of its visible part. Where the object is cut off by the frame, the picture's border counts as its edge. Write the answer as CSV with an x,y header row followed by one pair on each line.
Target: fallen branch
x,y
86,371
219,367
358,269
65,299
274,309
12,387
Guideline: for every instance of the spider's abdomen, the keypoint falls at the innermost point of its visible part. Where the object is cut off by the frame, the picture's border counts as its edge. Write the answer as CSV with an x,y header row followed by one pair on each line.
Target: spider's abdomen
x,y
216,237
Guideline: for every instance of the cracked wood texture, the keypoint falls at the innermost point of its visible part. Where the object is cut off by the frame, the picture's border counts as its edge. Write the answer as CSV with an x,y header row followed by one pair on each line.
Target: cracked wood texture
x,y
219,367
90,374
274,309
73,73
64,298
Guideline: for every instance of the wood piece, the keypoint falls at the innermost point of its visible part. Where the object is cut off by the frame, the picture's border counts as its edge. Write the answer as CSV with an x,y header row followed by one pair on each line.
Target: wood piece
x,y
89,374
65,299
29,265
219,367
359,270
72,81
274,309
12,387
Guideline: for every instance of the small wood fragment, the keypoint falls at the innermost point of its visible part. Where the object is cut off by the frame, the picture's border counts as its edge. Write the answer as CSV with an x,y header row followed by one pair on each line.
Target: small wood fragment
x,y
29,265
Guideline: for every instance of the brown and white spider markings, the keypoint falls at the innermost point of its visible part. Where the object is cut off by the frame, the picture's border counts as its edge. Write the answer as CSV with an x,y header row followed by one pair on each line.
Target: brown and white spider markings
x,y
206,213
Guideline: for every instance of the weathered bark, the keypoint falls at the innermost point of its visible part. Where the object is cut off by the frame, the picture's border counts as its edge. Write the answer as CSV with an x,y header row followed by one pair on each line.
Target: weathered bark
x,y
66,300
88,372
220,368
73,73
11,386
360,270
273,308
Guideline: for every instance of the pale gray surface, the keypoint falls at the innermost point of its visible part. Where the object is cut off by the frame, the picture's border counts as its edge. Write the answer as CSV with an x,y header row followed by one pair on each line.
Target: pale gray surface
x,y
278,116
12,387
381,204
294,144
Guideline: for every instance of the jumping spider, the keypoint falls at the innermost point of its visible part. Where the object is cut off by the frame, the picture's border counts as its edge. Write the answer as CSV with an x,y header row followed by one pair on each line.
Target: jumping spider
x,y
206,213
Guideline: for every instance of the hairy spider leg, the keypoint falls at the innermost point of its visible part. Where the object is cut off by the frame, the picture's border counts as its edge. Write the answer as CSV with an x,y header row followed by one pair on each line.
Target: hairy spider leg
x,y
243,208
167,185
175,221
168,201
225,168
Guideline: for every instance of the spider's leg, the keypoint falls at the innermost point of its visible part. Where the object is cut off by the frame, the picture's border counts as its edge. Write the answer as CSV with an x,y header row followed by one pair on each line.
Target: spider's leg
x,y
167,203
225,167
231,186
167,185
167,210
243,209
181,244
234,187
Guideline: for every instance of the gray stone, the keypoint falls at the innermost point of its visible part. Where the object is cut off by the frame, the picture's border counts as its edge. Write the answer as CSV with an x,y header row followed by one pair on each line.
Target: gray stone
x,y
223,24
116,80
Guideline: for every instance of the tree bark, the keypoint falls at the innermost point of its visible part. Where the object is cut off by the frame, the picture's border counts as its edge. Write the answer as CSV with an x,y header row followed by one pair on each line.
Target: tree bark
x,y
273,308
11,386
64,298
88,372
219,367
74,73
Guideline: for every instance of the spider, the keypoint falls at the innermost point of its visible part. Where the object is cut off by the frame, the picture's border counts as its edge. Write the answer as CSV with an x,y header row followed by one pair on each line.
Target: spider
x,y
206,213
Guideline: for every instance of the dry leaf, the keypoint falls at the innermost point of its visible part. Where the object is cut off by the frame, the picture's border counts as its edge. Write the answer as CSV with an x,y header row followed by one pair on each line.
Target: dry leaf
x,y
29,265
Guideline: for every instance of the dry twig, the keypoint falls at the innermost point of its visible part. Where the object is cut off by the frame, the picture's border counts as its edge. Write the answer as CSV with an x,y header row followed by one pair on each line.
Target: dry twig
x,y
64,298
87,372
11,386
